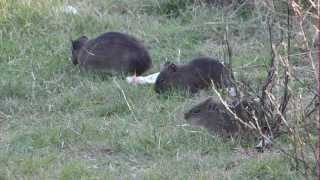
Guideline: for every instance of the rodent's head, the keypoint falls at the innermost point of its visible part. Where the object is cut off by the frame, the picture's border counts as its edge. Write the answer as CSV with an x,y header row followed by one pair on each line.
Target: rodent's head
x,y
212,115
166,78
76,45
201,112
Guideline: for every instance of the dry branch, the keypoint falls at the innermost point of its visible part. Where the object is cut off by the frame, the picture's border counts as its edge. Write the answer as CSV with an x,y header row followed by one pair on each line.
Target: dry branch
x,y
271,71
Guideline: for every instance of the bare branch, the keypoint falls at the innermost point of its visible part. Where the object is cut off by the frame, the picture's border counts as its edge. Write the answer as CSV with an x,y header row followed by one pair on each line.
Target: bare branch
x,y
272,68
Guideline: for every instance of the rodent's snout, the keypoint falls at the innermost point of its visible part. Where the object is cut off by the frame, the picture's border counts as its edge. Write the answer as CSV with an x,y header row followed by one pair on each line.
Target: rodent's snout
x,y
186,115
157,88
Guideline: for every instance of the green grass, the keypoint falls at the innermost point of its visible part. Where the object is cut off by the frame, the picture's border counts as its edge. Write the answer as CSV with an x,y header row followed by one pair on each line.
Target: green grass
x,y
59,123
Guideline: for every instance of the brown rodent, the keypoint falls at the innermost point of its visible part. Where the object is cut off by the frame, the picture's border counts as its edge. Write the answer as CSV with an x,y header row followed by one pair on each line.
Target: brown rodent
x,y
111,52
192,77
215,117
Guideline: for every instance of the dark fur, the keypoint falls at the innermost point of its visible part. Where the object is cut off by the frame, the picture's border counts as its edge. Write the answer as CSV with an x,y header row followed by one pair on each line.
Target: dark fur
x,y
216,118
111,52
212,116
193,76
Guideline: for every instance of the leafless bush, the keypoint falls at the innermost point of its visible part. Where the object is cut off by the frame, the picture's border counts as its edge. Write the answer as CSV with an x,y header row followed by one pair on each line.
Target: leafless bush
x,y
288,101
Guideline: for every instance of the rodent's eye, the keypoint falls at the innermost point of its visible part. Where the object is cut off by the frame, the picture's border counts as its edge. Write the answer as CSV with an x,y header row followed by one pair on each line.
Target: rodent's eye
x,y
196,111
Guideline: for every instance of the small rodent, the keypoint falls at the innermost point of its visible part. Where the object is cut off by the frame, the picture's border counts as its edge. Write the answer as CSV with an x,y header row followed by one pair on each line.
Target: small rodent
x,y
198,74
215,117
111,52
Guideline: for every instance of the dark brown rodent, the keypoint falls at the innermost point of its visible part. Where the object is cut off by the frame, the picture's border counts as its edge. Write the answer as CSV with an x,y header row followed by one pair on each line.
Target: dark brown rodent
x,y
111,52
192,77
215,117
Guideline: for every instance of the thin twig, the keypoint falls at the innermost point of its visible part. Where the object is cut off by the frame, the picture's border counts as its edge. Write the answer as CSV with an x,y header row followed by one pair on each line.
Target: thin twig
x,y
250,126
125,98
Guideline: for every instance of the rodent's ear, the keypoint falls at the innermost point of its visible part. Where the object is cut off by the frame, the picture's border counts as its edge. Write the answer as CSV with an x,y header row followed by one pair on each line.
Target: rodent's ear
x,y
83,38
208,100
173,67
167,63
211,107
74,44
78,43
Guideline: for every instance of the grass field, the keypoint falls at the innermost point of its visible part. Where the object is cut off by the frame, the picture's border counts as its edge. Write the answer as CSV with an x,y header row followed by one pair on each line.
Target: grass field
x,y
59,123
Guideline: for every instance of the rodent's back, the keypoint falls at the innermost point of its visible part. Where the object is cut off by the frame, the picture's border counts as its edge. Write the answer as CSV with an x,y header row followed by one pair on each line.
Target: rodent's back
x,y
193,76
210,69
220,120
116,51
203,70
110,39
